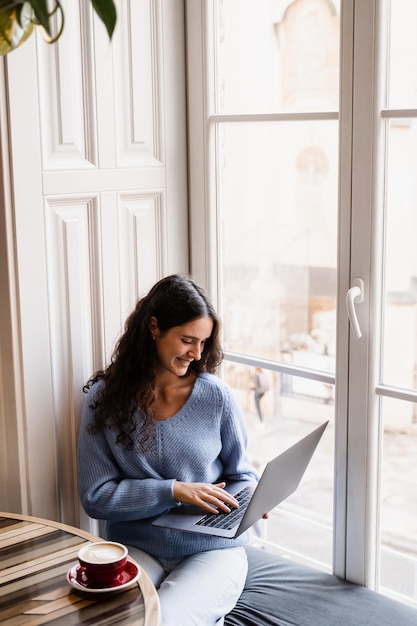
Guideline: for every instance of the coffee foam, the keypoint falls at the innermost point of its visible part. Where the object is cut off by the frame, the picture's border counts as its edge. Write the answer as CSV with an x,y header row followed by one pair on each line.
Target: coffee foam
x,y
102,553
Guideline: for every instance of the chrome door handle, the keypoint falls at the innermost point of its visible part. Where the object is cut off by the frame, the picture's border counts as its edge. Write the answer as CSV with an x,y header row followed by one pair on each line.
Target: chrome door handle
x,y
355,295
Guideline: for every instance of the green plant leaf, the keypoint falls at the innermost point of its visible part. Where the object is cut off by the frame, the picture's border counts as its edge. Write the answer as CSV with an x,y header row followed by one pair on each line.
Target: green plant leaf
x,y
106,11
5,26
15,25
28,12
9,5
19,10
40,9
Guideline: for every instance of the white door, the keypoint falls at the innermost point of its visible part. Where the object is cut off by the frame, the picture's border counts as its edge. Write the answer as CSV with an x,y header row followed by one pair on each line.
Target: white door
x,y
98,210
306,113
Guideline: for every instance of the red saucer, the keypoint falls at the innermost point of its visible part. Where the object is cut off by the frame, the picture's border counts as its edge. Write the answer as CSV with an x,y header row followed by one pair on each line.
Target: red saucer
x,y
129,575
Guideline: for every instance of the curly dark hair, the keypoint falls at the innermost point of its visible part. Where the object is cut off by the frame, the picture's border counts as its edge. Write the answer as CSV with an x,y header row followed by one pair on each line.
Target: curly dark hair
x,y
129,379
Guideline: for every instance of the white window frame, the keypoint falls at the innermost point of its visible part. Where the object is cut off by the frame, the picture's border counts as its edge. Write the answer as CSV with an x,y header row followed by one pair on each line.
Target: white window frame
x,y
358,432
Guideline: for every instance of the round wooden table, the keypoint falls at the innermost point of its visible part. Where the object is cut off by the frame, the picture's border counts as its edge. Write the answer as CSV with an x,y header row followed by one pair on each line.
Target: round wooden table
x,y
35,557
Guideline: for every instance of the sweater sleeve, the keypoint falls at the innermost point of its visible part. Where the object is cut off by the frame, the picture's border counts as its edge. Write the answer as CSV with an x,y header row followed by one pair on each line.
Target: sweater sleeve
x,y
104,491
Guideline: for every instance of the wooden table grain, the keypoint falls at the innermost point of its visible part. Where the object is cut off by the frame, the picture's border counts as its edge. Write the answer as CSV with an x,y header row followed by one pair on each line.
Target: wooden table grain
x,y
35,556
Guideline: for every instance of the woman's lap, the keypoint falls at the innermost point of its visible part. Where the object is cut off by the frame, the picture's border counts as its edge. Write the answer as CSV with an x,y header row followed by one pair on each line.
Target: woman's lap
x,y
151,565
199,591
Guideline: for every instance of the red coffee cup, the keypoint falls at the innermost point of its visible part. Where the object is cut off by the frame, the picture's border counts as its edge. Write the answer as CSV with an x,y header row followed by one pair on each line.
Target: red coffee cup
x,y
101,563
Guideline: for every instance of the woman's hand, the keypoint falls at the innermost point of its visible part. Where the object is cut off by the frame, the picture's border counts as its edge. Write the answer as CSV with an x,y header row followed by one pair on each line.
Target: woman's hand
x,y
211,498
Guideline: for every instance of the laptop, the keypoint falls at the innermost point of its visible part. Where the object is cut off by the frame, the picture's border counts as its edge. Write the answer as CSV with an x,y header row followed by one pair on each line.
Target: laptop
x,y
280,479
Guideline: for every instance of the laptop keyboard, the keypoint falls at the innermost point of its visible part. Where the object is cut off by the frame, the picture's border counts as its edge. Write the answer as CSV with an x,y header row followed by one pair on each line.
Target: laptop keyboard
x,y
228,520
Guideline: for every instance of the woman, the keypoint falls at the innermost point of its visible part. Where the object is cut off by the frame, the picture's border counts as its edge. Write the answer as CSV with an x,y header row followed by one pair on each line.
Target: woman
x,y
160,429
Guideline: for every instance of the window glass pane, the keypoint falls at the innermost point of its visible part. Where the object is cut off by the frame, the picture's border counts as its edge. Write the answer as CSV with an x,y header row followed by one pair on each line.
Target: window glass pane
x,y
402,77
400,309
278,200
290,409
277,56
398,562
277,203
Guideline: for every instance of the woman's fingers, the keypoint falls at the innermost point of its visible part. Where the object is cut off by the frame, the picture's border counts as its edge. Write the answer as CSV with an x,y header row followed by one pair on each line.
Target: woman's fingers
x,y
212,498
225,501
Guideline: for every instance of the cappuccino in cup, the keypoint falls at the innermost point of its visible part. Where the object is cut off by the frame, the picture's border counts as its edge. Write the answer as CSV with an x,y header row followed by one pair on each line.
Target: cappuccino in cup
x,y
101,563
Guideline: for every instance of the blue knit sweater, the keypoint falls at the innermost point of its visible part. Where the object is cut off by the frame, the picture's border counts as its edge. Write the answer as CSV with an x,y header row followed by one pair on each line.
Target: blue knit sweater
x,y
204,442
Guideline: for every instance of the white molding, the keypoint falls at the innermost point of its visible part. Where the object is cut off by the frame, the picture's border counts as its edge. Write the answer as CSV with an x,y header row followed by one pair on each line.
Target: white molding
x,y
113,179
66,98
13,467
201,138
173,111
274,117
39,442
141,241
389,114
342,339
139,127
68,248
274,366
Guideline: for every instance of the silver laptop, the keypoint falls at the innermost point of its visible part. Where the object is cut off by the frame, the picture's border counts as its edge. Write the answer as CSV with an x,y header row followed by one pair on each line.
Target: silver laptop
x,y
280,478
